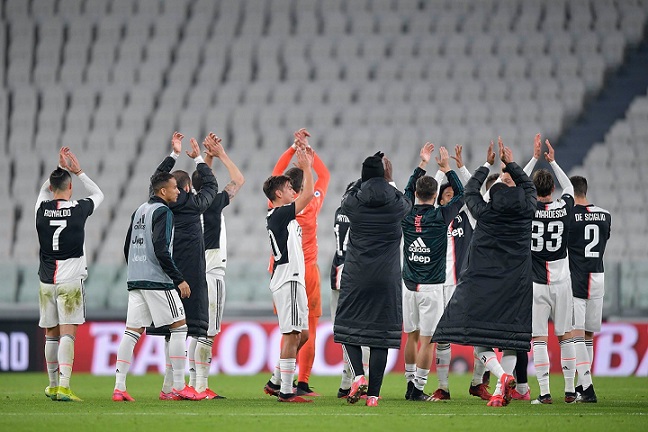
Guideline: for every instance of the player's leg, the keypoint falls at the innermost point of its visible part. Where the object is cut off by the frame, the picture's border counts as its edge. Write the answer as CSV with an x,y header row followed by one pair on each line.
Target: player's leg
x,y
477,385
353,357
541,312
49,321
203,353
347,378
306,355
377,365
411,328
521,390
563,325
593,311
71,311
506,381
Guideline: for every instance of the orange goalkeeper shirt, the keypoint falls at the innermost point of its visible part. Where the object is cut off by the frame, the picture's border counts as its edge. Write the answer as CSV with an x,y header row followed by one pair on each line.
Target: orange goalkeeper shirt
x,y
307,218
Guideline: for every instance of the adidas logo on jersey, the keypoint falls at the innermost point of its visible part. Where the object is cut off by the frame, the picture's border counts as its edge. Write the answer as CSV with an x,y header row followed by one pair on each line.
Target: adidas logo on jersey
x,y
419,246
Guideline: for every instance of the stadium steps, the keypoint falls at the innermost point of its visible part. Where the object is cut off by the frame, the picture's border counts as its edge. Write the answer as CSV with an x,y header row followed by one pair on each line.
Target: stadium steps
x,y
629,81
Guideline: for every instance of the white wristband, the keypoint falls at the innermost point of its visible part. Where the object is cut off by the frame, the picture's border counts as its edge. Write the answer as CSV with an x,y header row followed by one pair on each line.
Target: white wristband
x,y
175,155
199,159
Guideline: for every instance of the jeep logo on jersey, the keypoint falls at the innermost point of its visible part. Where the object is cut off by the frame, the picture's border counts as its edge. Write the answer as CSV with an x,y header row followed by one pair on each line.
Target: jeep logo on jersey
x,y
419,246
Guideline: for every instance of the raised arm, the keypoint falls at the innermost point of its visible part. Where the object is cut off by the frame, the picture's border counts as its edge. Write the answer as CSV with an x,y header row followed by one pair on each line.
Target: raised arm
x,y
305,162
96,195
419,171
205,196
518,175
462,171
537,150
563,179
474,200
215,150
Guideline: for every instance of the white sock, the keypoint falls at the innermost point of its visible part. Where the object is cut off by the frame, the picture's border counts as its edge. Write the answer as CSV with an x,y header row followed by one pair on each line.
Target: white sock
x,y
191,358
203,360
582,362
124,358
178,355
508,361
421,378
589,344
66,359
347,377
489,359
365,360
287,367
167,385
568,363
51,358
522,388
443,364
478,370
410,371
541,362
276,375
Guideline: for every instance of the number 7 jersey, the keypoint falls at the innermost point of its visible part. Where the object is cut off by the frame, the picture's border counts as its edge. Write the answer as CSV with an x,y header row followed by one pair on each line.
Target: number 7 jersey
x,y
549,238
588,236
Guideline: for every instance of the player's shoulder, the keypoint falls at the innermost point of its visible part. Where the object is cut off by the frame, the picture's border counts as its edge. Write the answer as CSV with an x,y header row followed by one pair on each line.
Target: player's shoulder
x,y
595,208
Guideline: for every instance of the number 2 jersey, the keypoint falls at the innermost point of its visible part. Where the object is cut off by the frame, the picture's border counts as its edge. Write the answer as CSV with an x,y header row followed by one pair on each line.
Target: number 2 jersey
x,y
588,235
341,230
61,234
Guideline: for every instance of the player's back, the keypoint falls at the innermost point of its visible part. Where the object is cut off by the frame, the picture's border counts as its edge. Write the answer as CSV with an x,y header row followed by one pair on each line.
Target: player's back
x,y
549,239
588,235
61,234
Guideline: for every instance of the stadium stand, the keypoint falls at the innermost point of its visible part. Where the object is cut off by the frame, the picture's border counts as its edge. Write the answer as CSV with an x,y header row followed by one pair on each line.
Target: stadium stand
x,y
113,79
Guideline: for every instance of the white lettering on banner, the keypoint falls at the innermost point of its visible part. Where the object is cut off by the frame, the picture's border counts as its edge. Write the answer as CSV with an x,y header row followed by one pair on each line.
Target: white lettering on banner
x,y
14,351
228,347
106,343
151,353
606,347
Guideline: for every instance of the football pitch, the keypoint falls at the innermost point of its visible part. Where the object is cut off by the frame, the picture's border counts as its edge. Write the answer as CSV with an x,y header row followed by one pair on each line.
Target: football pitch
x,y
622,405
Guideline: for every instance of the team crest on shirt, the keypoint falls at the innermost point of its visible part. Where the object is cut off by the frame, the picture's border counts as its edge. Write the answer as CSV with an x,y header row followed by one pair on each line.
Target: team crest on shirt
x,y
317,194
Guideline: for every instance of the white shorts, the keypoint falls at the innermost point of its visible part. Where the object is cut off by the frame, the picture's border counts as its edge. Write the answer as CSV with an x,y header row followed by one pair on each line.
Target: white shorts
x,y
448,292
588,314
61,303
422,309
216,293
555,302
292,307
160,307
335,297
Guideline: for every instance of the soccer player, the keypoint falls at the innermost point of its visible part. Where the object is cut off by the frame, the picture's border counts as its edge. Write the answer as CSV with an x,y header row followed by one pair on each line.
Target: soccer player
x,y
153,282
60,223
425,238
491,305
369,311
589,232
287,282
552,296
215,259
307,219
189,249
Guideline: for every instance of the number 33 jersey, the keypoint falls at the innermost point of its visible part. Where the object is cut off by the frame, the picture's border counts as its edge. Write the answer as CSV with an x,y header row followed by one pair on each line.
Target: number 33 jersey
x,y
588,235
549,240
61,233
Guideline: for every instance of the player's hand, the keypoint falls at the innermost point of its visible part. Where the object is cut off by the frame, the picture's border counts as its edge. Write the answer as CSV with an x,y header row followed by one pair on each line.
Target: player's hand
x,y
389,169
213,145
537,146
301,137
304,158
426,152
490,154
457,157
176,142
73,162
195,149
62,160
550,155
443,160
185,291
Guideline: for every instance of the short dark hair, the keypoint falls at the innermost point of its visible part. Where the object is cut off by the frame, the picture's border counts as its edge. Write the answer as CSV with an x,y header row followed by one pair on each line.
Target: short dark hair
x,y
443,187
273,184
296,176
60,179
160,180
426,187
491,179
182,177
196,180
544,182
580,185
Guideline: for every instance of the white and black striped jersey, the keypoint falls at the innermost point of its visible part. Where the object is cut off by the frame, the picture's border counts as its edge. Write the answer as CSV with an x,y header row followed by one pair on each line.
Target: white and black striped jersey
x,y
588,235
215,233
549,239
286,244
459,235
341,230
61,234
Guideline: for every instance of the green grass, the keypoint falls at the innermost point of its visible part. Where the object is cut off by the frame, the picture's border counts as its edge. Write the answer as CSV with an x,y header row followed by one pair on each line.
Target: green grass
x,y
623,405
